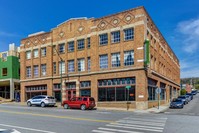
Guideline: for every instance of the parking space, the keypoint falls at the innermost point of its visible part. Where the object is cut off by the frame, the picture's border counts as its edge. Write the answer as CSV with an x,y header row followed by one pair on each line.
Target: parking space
x,y
192,108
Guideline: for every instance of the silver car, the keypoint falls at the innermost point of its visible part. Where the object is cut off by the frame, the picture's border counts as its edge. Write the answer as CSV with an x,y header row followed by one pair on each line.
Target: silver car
x,y
42,100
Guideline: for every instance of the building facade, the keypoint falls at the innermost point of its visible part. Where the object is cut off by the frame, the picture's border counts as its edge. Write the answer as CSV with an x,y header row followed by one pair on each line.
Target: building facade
x,y
117,58
10,73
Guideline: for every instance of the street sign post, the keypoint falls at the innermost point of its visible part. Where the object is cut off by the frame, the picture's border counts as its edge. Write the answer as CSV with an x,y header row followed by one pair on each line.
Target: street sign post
x,y
158,91
128,88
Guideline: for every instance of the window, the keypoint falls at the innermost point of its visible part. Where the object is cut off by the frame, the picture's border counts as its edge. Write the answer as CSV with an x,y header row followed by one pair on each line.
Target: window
x,y
103,61
116,94
57,87
85,84
43,69
88,42
28,72
89,63
61,67
128,58
115,59
71,66
28,55
115,37
80,44
43,51
4,56
103,39
36,70
128,34
4,71
61,48
71,46
54,68
152,94
35,53
81,65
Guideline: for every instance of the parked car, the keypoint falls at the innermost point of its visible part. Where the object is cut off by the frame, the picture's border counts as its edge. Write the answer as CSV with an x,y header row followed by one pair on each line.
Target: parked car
x,y
184,99
42,100
194,92
188,97
177,103
79,102
191,95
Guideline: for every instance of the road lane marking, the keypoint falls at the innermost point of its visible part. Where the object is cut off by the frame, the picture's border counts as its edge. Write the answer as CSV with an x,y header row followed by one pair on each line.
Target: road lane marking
x,y
140,123
99,131
147,120
25,128
118,130
154,130
130,125
56,116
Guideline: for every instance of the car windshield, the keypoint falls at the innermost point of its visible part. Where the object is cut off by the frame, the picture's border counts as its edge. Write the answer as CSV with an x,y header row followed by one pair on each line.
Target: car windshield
x,y
181,96
177,100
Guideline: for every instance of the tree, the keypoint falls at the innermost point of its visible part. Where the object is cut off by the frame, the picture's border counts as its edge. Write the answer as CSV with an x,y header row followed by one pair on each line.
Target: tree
x,y
182,92
197,86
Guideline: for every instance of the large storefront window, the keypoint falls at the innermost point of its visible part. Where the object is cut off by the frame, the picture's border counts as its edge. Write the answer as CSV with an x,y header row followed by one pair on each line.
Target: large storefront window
x,y
116,94
32,91
152,95
163,91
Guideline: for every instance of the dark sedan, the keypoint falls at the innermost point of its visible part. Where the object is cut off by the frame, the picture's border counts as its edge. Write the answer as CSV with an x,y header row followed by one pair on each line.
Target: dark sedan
x,y
184,99
177,103
191,95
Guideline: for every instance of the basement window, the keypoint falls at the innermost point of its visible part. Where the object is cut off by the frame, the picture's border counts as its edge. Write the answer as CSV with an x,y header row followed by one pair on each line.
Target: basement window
x,y
5,71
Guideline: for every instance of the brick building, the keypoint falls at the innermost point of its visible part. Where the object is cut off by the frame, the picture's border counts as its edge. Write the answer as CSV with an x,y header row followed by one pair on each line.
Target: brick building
x,y
116,58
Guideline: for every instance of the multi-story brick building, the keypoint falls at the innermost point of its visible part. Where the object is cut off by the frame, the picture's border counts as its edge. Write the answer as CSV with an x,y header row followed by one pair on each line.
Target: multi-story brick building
x,y
10,73
116,58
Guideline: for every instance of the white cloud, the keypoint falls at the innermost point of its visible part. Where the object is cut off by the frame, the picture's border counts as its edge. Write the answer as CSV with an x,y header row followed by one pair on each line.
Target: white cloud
x,y
189,73
190,34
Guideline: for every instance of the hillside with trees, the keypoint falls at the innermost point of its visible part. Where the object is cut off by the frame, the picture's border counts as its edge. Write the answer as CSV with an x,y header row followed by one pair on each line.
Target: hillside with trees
x,y
192,81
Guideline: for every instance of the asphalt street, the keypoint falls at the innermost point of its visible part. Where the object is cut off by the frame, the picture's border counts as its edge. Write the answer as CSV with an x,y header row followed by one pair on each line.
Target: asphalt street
x,y
23,119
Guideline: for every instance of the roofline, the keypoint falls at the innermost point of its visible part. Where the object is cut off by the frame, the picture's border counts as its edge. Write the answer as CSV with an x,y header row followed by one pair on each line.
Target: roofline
x,y
160,33
114,14
35,35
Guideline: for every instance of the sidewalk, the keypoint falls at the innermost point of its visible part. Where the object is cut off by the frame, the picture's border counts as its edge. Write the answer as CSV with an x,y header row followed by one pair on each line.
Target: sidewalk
x,y
161,109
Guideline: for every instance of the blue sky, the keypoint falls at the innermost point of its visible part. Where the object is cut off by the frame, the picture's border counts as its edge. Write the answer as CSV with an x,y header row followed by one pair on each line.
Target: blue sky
x,y
178,20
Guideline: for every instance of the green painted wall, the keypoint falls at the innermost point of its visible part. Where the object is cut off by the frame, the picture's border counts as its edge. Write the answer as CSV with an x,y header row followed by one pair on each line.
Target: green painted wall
x,y
12,64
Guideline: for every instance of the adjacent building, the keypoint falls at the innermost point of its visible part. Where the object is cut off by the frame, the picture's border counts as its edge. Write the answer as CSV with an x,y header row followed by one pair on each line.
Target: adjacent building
x,y
10,73
116,58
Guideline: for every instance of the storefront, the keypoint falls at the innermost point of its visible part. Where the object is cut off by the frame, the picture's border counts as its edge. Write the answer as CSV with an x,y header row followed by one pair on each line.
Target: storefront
x,y
116,90
32,91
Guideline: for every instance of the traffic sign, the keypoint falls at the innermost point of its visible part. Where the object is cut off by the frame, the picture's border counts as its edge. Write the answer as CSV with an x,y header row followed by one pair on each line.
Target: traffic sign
x,y
158,90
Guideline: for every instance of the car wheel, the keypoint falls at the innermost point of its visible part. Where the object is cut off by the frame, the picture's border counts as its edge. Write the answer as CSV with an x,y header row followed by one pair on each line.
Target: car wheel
x,y
43,104
29,104
65,106
83,107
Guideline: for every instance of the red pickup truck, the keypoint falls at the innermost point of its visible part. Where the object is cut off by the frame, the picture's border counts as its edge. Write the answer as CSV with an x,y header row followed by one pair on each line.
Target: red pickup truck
x,y
79,102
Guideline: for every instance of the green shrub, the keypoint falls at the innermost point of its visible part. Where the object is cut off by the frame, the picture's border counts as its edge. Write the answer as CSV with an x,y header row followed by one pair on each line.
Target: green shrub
x,y
182,92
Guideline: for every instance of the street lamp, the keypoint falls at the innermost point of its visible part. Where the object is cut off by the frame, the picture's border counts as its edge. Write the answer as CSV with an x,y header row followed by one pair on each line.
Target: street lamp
x,y
60,73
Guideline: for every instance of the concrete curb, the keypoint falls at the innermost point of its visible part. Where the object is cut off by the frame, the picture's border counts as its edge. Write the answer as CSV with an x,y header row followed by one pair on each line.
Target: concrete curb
x,y
151,110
